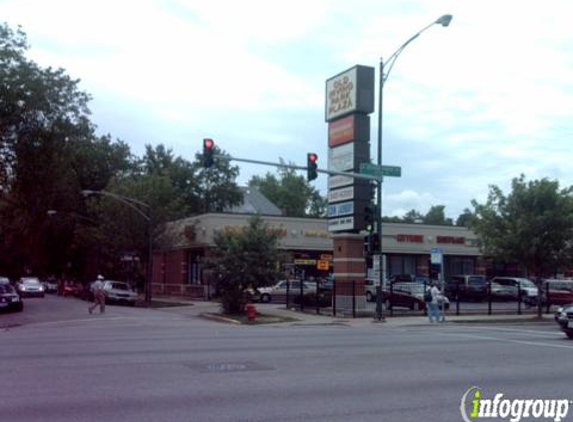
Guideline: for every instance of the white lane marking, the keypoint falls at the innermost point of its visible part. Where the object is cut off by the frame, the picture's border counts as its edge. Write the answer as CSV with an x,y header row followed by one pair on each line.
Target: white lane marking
x,y
529,343
518,330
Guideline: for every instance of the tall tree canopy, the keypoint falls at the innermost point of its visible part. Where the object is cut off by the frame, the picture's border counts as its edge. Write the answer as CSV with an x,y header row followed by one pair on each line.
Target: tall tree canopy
x,y
532,225
291,192
50,153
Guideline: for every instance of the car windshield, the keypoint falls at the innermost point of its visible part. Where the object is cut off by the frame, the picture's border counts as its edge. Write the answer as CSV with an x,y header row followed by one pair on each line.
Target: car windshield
x,y
524,282
30,281
120,286
6,288
476,281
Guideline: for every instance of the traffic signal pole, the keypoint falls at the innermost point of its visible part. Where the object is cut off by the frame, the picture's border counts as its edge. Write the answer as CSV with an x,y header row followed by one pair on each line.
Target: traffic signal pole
x,y
291,166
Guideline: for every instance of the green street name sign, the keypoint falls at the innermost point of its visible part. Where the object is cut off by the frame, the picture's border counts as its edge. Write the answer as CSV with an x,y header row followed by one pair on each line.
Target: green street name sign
x,y
374,170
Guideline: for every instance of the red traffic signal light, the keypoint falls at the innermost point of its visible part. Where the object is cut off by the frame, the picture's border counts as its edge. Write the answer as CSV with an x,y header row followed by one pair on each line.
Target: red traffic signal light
x,y
311,166
208,146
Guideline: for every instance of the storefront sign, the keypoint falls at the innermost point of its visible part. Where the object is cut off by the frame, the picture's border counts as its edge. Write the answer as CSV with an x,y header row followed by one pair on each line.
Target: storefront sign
x,y
355,127
338,195
451,240
350,91
337,210
305,262
339,181
412,238
316,233
341,224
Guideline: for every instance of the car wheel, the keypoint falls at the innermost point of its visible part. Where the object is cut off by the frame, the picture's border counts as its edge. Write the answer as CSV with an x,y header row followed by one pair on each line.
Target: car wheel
x,y
369,297
387,304
415,306
570,334
265,298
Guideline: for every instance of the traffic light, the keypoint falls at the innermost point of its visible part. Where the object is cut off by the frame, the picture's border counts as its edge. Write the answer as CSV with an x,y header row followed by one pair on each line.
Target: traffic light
x,y
368,244
375,242
371,243
208,147
311,159
369,217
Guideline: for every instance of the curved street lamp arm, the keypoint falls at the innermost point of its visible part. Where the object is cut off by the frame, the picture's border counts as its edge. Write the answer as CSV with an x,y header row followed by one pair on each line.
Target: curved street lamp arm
x,y
443,20
130,202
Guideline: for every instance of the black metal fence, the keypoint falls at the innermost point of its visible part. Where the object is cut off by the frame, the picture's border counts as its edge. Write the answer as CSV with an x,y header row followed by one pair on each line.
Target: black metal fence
x,y
397,301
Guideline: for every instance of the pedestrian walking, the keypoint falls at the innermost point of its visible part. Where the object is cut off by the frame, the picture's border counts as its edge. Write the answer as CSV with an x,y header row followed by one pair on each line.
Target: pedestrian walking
x,y
433,305
99,295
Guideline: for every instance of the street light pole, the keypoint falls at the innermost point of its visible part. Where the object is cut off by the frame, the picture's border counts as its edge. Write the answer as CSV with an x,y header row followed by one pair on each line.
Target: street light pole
x,y
148,216
383,77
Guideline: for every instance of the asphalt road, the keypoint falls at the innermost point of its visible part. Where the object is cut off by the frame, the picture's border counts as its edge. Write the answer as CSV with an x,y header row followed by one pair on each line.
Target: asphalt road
x,y
133,364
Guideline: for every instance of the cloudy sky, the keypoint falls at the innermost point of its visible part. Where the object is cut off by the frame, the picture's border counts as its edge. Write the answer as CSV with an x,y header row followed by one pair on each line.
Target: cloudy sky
x,y
467,106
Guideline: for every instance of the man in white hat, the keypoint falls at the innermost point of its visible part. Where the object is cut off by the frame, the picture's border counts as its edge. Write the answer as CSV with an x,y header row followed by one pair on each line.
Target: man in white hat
x,y
99,295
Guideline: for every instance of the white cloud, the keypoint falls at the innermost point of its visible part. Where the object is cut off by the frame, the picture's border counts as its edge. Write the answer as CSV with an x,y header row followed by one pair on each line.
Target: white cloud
x,y
466,106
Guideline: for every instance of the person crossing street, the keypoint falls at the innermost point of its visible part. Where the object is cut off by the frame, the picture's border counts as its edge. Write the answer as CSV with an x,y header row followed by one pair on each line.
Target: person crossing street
x,y
99,295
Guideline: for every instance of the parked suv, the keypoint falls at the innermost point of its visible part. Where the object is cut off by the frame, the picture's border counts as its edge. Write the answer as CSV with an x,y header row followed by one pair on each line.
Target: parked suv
x,y
467,287
527,287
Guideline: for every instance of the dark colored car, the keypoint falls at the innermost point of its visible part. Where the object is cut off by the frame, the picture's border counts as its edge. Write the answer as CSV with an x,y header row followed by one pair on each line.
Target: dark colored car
x,y
9,299
564,318
466,287
409,278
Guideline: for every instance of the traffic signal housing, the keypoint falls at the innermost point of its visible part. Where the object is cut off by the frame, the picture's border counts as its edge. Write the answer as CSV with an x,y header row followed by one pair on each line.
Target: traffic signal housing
x,y
311,165
208,147
371,243
369,217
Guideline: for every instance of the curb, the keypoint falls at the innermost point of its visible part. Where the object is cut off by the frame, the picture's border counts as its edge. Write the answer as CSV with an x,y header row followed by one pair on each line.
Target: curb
x,y
218,318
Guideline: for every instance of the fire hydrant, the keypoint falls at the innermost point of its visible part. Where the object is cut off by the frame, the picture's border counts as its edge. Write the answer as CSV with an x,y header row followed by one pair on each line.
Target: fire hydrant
x,y
251,311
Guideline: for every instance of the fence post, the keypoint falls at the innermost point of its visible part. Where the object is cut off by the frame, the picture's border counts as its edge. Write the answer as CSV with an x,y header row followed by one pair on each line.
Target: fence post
x,y
302,295
333,297
519,298
317,299
354,299
457,298
287,293
547,296
390,304
489,298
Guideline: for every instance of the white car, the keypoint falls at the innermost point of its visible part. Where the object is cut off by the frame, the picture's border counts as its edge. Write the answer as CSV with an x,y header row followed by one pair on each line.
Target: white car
x,y
119,292
30,286
278,292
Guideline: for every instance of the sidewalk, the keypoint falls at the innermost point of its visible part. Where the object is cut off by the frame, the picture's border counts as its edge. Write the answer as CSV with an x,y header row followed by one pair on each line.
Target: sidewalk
x,y
200,308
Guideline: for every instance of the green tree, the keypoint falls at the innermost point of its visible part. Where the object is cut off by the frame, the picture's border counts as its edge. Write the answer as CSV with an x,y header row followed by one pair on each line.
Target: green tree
x,y
291,193
465,219
243,259
215,187
436,215
531,226
48,154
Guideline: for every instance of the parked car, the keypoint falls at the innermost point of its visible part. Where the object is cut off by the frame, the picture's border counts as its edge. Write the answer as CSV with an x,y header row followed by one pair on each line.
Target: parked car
x,y
119,292
72,289
409,278
503,292
29,287
557,297
50,285
527,287
564,318
278,292
466,287
4,280
9,299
